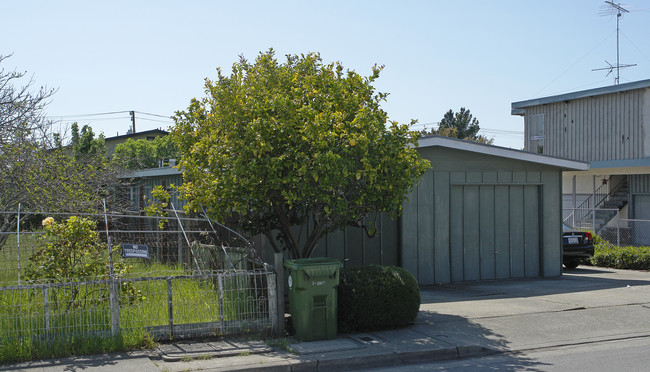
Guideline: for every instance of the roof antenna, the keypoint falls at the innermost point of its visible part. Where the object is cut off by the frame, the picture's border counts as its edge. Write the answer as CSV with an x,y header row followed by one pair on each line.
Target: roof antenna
x,y
610,9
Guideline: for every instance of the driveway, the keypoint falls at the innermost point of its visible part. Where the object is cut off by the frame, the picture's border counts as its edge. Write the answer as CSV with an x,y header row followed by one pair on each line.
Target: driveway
x,y
586,304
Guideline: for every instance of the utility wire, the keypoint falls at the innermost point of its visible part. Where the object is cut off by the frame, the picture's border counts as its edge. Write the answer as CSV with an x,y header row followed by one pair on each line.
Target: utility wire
x,y
156,120
575,63
634,45
160,116
62,117
97,114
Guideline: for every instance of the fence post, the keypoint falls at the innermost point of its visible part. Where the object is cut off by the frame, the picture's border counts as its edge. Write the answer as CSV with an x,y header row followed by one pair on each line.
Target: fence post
x,y
112,287
170,307
222,316
278,259
273,301
618,228
115,307
46,311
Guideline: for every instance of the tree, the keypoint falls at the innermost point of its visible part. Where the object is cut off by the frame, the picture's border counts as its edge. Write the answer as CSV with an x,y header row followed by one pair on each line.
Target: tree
x,y
21,122
73,250
459,125
278,145
142,153
84,143
36,171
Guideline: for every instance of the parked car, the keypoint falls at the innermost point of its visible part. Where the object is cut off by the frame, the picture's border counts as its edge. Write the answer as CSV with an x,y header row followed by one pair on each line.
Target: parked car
x,y
576,245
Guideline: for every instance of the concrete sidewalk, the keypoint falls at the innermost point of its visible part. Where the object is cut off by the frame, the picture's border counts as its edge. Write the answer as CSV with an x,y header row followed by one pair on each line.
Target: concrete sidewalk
x,y
455,321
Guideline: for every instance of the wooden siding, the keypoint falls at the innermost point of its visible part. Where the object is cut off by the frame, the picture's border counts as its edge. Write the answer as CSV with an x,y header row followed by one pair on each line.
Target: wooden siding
x,y
351,245
605,127
477,217
483,225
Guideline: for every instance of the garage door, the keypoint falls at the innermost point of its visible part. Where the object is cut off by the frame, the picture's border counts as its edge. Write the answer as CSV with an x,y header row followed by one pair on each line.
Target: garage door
x,y
494,231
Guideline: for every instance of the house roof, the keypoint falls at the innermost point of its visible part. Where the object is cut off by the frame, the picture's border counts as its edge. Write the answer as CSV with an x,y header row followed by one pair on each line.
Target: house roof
x,y
153,172
518,108
503,152
122,137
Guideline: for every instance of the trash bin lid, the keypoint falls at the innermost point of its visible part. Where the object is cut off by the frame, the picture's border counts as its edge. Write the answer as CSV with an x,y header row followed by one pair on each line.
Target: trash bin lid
x,y
315,267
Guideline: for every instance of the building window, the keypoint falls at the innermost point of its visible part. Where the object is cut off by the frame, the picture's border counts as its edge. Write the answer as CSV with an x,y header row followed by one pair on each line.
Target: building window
x,y
536,133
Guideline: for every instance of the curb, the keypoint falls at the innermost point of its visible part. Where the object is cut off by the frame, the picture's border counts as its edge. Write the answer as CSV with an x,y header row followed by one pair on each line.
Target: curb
x,y
397,358
363,362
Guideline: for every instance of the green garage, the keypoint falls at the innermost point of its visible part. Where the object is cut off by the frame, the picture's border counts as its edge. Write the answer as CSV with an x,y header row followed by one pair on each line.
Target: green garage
x,y
483,212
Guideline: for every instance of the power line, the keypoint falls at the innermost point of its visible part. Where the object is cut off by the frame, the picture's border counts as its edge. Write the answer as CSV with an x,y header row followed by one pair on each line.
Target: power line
x,y
96,114
575,63
160,116
159,121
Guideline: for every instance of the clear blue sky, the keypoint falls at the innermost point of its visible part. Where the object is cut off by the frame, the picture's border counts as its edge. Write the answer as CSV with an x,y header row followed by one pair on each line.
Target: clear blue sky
x,y
153,56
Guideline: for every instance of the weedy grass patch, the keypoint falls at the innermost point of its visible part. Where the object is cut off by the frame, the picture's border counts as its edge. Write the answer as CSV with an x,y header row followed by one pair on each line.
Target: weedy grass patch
x,y
75,318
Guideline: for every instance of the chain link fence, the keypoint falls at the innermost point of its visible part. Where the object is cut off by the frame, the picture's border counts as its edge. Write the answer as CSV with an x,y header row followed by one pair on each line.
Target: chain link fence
x,y
628,232
164,277
611,226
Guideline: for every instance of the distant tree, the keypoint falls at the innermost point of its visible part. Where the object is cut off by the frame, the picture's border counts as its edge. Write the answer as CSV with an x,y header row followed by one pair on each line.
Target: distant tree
x,y
466,126
142,153
459,125
279,145
85,144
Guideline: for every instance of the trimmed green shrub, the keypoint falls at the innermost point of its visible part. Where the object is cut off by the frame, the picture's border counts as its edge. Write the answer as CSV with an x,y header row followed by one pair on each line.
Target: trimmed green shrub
x,y
372,298
632,258
598,240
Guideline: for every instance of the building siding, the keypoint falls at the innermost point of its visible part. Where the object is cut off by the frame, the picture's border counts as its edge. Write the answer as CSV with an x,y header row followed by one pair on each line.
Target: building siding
x,y
606,127
639,183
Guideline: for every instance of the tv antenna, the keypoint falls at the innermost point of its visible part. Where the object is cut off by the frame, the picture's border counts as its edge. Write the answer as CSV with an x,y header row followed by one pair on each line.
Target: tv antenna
x,y
610,9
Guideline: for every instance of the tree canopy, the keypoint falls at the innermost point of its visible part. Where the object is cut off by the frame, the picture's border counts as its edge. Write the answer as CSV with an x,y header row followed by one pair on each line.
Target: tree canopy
x,y
85,144
461,125
142,153
278,145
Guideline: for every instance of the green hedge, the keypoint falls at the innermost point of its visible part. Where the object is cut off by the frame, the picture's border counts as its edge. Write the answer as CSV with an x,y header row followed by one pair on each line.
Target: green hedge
x,y
632,258
372,298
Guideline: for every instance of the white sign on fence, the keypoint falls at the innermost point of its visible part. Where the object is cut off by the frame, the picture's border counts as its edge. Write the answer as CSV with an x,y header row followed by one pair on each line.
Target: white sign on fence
x,y
135,251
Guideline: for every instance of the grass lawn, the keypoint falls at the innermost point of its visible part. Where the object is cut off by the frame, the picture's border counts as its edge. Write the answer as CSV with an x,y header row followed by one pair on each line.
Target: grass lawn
x,y
78,317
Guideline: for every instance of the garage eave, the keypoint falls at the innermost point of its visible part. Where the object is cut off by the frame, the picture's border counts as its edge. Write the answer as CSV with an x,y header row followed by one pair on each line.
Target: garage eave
x,y
503,152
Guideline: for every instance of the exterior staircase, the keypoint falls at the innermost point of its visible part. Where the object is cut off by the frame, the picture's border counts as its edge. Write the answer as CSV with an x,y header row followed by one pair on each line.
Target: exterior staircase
x,y
611,205
605,203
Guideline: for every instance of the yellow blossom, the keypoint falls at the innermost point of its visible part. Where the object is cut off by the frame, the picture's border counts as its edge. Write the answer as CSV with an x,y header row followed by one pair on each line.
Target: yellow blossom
x,y
47,221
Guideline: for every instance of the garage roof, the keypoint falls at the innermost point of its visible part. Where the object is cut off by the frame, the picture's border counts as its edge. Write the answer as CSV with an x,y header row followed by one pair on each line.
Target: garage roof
x,y
504,152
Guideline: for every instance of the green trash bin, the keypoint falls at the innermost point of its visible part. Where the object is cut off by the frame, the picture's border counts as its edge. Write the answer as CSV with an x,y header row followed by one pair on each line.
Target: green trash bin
x,y
312,296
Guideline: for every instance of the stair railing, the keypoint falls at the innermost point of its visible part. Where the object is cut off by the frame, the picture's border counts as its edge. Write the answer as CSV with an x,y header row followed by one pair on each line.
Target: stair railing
x,y
587,208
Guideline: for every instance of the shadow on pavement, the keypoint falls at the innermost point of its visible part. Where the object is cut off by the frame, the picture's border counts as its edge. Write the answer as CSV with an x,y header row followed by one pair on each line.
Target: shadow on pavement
x,y
584,278
469,337
73,364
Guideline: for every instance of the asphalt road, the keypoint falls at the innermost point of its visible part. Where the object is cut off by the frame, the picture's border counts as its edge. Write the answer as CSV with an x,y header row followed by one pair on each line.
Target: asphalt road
x,y
620,355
